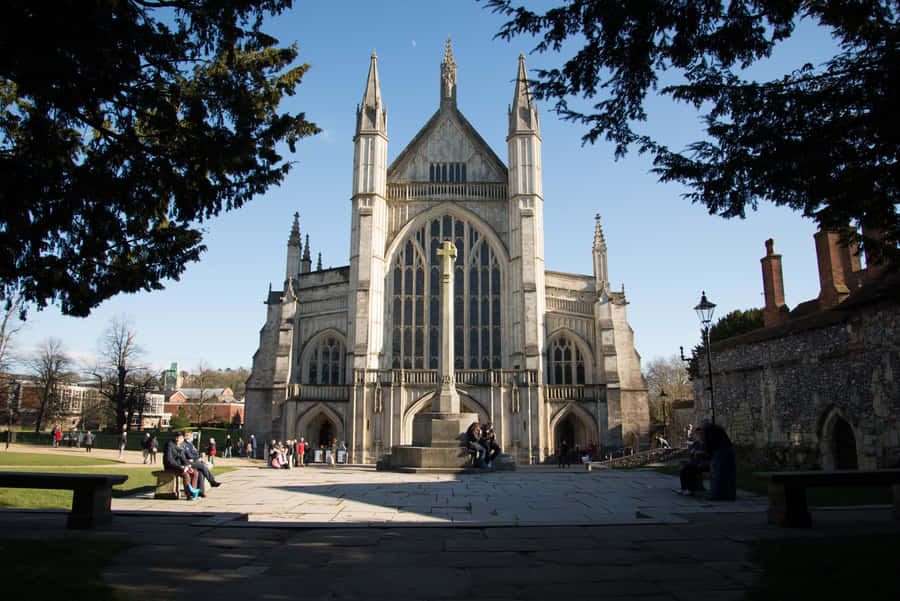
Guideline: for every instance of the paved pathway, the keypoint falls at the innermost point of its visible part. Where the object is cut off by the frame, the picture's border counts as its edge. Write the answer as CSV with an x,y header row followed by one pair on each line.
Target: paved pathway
x,y
354,533
352,496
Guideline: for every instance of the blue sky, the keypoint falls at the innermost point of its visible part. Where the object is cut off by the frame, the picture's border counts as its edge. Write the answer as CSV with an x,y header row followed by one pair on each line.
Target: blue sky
x,y
661,248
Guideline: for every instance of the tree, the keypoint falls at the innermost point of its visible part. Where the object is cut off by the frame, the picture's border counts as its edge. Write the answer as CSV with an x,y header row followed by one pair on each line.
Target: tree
x,y
202,385
733,324
667,374
10,325
123,126
823,140
119,353
180,421
50,366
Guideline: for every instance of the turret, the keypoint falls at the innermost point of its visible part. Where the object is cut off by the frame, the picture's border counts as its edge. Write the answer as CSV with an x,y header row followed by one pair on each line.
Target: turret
x,y
526,221
448,78
368,225
293,250
306,264
601,271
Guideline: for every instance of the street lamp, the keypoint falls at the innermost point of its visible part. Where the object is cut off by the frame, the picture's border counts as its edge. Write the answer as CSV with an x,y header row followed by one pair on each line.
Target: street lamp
x,y
663,396
705,312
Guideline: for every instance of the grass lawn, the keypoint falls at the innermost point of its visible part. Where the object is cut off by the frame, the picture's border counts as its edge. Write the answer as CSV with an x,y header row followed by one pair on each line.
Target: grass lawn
x,y
140,479
815,497
827,569
10,458
54,570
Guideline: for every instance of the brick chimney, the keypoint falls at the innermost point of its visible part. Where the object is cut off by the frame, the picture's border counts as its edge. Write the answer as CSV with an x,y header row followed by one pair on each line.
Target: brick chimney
x,y
776,311
836,276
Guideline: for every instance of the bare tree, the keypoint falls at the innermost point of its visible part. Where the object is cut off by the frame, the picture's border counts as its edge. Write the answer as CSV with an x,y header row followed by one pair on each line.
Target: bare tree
x,y
9,327
202,384
667,375
119,354
50,366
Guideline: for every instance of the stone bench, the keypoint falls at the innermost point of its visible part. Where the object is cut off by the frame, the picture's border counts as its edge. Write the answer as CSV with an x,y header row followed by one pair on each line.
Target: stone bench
x,y
787,491
167,485
92,493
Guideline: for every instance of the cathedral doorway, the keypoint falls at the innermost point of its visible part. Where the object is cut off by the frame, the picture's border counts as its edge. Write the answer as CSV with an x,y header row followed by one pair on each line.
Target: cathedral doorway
x,y
571,429
319,425
844,446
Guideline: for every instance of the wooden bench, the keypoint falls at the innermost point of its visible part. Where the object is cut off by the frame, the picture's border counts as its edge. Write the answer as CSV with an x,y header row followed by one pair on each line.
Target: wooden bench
x,y
90,501
167,485
787,491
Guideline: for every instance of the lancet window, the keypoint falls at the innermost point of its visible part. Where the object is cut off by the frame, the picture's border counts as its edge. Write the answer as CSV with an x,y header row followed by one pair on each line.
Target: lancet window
x,y
566,362
416,303
326,362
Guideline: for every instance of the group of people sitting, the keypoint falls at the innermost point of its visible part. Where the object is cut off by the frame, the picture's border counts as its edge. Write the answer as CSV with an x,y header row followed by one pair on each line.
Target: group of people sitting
x,y
482,444
181,457
710,450
285,455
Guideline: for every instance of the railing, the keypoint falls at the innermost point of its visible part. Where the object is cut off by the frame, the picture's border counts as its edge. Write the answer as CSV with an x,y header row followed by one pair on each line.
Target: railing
x,y
573,392
318,392
569,306
447,191
429,377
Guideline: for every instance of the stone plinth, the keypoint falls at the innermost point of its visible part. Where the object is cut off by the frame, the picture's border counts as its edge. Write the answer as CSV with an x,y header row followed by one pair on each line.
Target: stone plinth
x,y
439,441
441,429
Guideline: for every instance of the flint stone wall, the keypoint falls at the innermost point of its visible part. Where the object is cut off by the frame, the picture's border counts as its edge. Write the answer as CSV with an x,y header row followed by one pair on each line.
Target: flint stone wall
x,y
779,391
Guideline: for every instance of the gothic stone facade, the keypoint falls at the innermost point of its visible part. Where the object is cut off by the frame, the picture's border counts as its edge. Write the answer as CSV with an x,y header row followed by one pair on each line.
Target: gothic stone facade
x,y
352,353
818,387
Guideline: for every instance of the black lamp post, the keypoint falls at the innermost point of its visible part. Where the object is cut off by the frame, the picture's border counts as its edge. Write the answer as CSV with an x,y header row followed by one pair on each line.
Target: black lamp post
x,y
705,312
663,396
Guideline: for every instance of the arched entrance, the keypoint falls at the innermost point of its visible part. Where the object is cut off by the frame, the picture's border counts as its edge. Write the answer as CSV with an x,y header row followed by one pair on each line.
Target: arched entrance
x,y
575,426
319,425
844,446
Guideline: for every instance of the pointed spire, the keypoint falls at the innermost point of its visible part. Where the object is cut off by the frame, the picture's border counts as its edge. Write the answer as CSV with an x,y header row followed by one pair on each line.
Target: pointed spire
x,y
294,239
306,263
319,263
306,249
599,241
448,77
523,115
371,115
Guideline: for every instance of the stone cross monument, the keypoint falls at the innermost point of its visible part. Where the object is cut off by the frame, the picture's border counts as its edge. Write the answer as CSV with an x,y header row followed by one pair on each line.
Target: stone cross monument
x,y
447,399
438,435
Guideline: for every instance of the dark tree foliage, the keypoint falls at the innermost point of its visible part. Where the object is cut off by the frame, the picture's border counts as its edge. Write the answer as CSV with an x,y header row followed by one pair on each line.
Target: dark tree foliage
x,y
733,324
124,124
823,140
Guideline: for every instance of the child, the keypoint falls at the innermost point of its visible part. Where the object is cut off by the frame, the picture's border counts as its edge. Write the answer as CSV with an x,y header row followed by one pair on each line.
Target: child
x,y
211,451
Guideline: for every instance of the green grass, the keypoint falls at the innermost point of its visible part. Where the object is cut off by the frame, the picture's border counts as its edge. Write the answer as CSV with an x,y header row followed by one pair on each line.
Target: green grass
x,y
18,459
139,480
54,570
816,497
827,569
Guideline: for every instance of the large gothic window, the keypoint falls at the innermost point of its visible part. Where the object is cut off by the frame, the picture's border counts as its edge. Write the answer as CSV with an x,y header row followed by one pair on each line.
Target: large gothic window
x,y
566,362
326,362
416,303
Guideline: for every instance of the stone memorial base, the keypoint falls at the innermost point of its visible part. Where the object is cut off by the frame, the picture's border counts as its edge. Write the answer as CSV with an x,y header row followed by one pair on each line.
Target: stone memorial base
x,y
439,441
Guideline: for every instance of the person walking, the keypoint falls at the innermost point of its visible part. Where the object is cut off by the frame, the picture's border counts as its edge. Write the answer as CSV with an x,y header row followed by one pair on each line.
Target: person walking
x,y
145,447
253,445
154,447
123,439
564,454
88,441
211,452
58,435
227,453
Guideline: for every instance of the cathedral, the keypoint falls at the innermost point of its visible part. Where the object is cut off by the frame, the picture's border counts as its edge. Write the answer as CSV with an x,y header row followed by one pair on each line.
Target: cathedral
x,y
351,353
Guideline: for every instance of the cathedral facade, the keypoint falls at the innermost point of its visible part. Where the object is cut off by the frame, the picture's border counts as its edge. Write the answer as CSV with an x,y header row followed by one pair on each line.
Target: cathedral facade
x,y
352,352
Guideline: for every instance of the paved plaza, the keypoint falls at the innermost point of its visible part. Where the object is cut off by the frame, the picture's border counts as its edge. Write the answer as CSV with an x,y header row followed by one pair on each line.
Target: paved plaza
x,y
355,533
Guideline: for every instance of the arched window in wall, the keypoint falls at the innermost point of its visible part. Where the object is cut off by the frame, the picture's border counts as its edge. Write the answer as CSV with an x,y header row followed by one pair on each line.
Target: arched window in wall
x,y
326,362
416,302
566,362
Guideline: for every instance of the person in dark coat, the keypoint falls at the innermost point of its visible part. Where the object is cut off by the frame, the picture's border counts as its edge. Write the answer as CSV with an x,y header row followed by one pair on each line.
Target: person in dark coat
x,y
176,462
473,442
723,462
200,466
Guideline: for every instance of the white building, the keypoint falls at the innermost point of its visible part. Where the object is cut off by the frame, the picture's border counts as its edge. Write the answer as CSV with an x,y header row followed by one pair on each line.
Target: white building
x,y
352,352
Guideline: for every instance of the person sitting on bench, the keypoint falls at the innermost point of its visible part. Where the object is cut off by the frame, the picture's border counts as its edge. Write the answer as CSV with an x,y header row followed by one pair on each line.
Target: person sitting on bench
x,y
200,466
176,462
692,470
